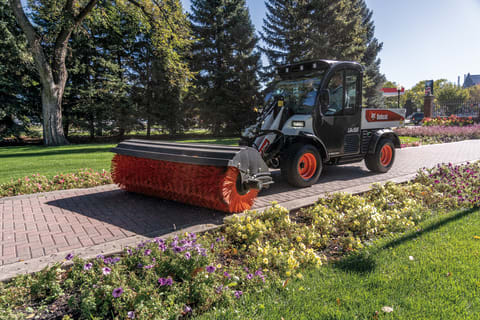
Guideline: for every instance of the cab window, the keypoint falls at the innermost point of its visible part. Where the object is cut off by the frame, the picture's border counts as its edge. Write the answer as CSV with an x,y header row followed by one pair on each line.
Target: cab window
x,y
335,92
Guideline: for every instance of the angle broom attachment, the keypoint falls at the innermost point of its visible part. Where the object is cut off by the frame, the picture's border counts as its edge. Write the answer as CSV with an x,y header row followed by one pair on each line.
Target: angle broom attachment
x,y
199,179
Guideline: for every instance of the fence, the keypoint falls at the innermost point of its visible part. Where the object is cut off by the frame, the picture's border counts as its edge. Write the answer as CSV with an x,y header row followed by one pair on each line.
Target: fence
x,y
458,108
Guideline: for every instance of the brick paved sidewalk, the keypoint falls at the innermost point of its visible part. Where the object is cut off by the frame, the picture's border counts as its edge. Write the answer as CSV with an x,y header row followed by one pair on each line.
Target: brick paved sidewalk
x,y
37,229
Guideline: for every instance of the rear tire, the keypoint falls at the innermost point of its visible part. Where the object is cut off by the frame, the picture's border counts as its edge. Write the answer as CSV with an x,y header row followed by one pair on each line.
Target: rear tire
x,y
382,160
302,166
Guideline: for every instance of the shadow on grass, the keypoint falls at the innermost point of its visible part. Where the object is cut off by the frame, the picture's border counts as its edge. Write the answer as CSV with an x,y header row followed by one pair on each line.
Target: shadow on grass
x,y
432,227
364,261
56,152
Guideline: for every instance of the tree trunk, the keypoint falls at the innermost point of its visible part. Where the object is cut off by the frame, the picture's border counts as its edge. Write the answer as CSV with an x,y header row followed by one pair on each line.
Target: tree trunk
x,y
92,127
53,75
149,127
52,116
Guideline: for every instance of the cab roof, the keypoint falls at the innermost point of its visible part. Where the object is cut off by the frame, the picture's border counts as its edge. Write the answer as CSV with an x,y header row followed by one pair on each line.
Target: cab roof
x,y
313,65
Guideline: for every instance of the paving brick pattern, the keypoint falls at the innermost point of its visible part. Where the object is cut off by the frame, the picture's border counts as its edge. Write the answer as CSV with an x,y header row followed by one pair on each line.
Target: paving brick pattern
x,y
34,226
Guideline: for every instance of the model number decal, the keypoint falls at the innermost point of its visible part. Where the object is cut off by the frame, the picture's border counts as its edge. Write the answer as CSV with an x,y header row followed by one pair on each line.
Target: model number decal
x,y
353,130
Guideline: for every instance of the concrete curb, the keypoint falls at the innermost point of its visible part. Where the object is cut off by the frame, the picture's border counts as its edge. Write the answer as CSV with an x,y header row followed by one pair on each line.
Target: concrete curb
x,y
9,271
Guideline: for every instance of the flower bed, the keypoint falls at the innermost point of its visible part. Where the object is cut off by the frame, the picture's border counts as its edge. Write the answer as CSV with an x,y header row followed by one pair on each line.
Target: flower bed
x,y
84,178
188,275
441,134
451,121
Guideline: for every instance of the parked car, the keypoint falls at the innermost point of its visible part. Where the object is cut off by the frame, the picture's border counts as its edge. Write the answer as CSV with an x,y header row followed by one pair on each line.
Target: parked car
x,y
416,117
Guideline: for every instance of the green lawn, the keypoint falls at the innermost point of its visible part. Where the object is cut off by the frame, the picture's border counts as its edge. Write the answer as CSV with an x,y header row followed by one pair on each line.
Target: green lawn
x,y
440,281
405,139
18,162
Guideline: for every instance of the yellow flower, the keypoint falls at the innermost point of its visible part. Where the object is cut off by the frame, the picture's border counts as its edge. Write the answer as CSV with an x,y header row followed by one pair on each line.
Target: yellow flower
x,y
299,276
265,260
288,273
219,266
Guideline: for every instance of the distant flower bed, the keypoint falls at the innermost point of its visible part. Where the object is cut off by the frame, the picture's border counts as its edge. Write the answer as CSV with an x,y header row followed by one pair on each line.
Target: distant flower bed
x,y
84,178
188,275
460,183
441,134
452,121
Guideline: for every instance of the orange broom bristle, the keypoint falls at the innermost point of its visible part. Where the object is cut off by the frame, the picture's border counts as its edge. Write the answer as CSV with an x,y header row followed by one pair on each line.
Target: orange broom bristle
x,y
205,186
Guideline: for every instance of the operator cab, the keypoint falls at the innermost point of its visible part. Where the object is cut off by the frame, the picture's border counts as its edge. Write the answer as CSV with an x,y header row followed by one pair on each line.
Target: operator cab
x,y
326,96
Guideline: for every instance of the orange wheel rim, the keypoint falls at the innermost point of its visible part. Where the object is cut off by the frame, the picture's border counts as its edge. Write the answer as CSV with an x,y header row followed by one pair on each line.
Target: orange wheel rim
x,y
386,155
307,165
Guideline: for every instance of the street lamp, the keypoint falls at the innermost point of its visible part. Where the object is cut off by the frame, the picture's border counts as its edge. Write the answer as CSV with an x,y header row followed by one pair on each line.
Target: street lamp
x,y
399,88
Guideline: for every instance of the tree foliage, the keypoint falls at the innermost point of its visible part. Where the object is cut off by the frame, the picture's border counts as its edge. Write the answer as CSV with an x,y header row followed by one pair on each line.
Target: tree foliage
x,y
226,63
49,37
19,85
324,29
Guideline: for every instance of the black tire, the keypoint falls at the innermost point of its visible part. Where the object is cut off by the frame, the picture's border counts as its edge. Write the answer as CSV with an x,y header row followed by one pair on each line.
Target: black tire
x,y
302,165
379,162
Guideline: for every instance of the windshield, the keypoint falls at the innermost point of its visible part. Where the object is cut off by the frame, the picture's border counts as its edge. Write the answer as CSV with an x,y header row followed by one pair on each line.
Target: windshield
x,y
299,94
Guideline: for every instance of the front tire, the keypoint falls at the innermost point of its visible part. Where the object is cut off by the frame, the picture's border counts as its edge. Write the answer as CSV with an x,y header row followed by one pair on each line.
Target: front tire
x,y
302,166
382,160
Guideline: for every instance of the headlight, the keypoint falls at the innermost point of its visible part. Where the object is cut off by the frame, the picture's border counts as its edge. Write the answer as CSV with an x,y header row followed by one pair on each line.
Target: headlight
x,y
298,124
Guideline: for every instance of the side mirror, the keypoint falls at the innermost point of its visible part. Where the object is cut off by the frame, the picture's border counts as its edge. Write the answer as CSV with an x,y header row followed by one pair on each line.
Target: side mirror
x,y
324,97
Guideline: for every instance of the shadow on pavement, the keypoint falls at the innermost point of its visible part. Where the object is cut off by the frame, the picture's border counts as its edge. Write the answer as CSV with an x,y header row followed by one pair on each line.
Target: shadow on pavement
x,y
330,174
142,215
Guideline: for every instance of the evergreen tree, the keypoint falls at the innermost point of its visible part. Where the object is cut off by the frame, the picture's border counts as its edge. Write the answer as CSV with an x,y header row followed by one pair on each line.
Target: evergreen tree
x,y
336,32
373,80
324,29
18,82
284,32
224,57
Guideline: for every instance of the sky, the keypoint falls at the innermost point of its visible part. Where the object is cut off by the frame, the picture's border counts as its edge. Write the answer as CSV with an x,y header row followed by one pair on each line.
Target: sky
x,y
422,40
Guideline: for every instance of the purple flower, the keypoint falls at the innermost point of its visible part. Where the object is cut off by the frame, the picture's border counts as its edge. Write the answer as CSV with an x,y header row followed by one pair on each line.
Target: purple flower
x,y
162,247
187,309
87,266
148,267
227,275
177,249
117,292
147,252
212,246
220,239
258,273
115,260
210,269
131,314
106,270
249,276
238,294
139,265
246,269
193,236
100,256
219,289
69,256
165,281
188,255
